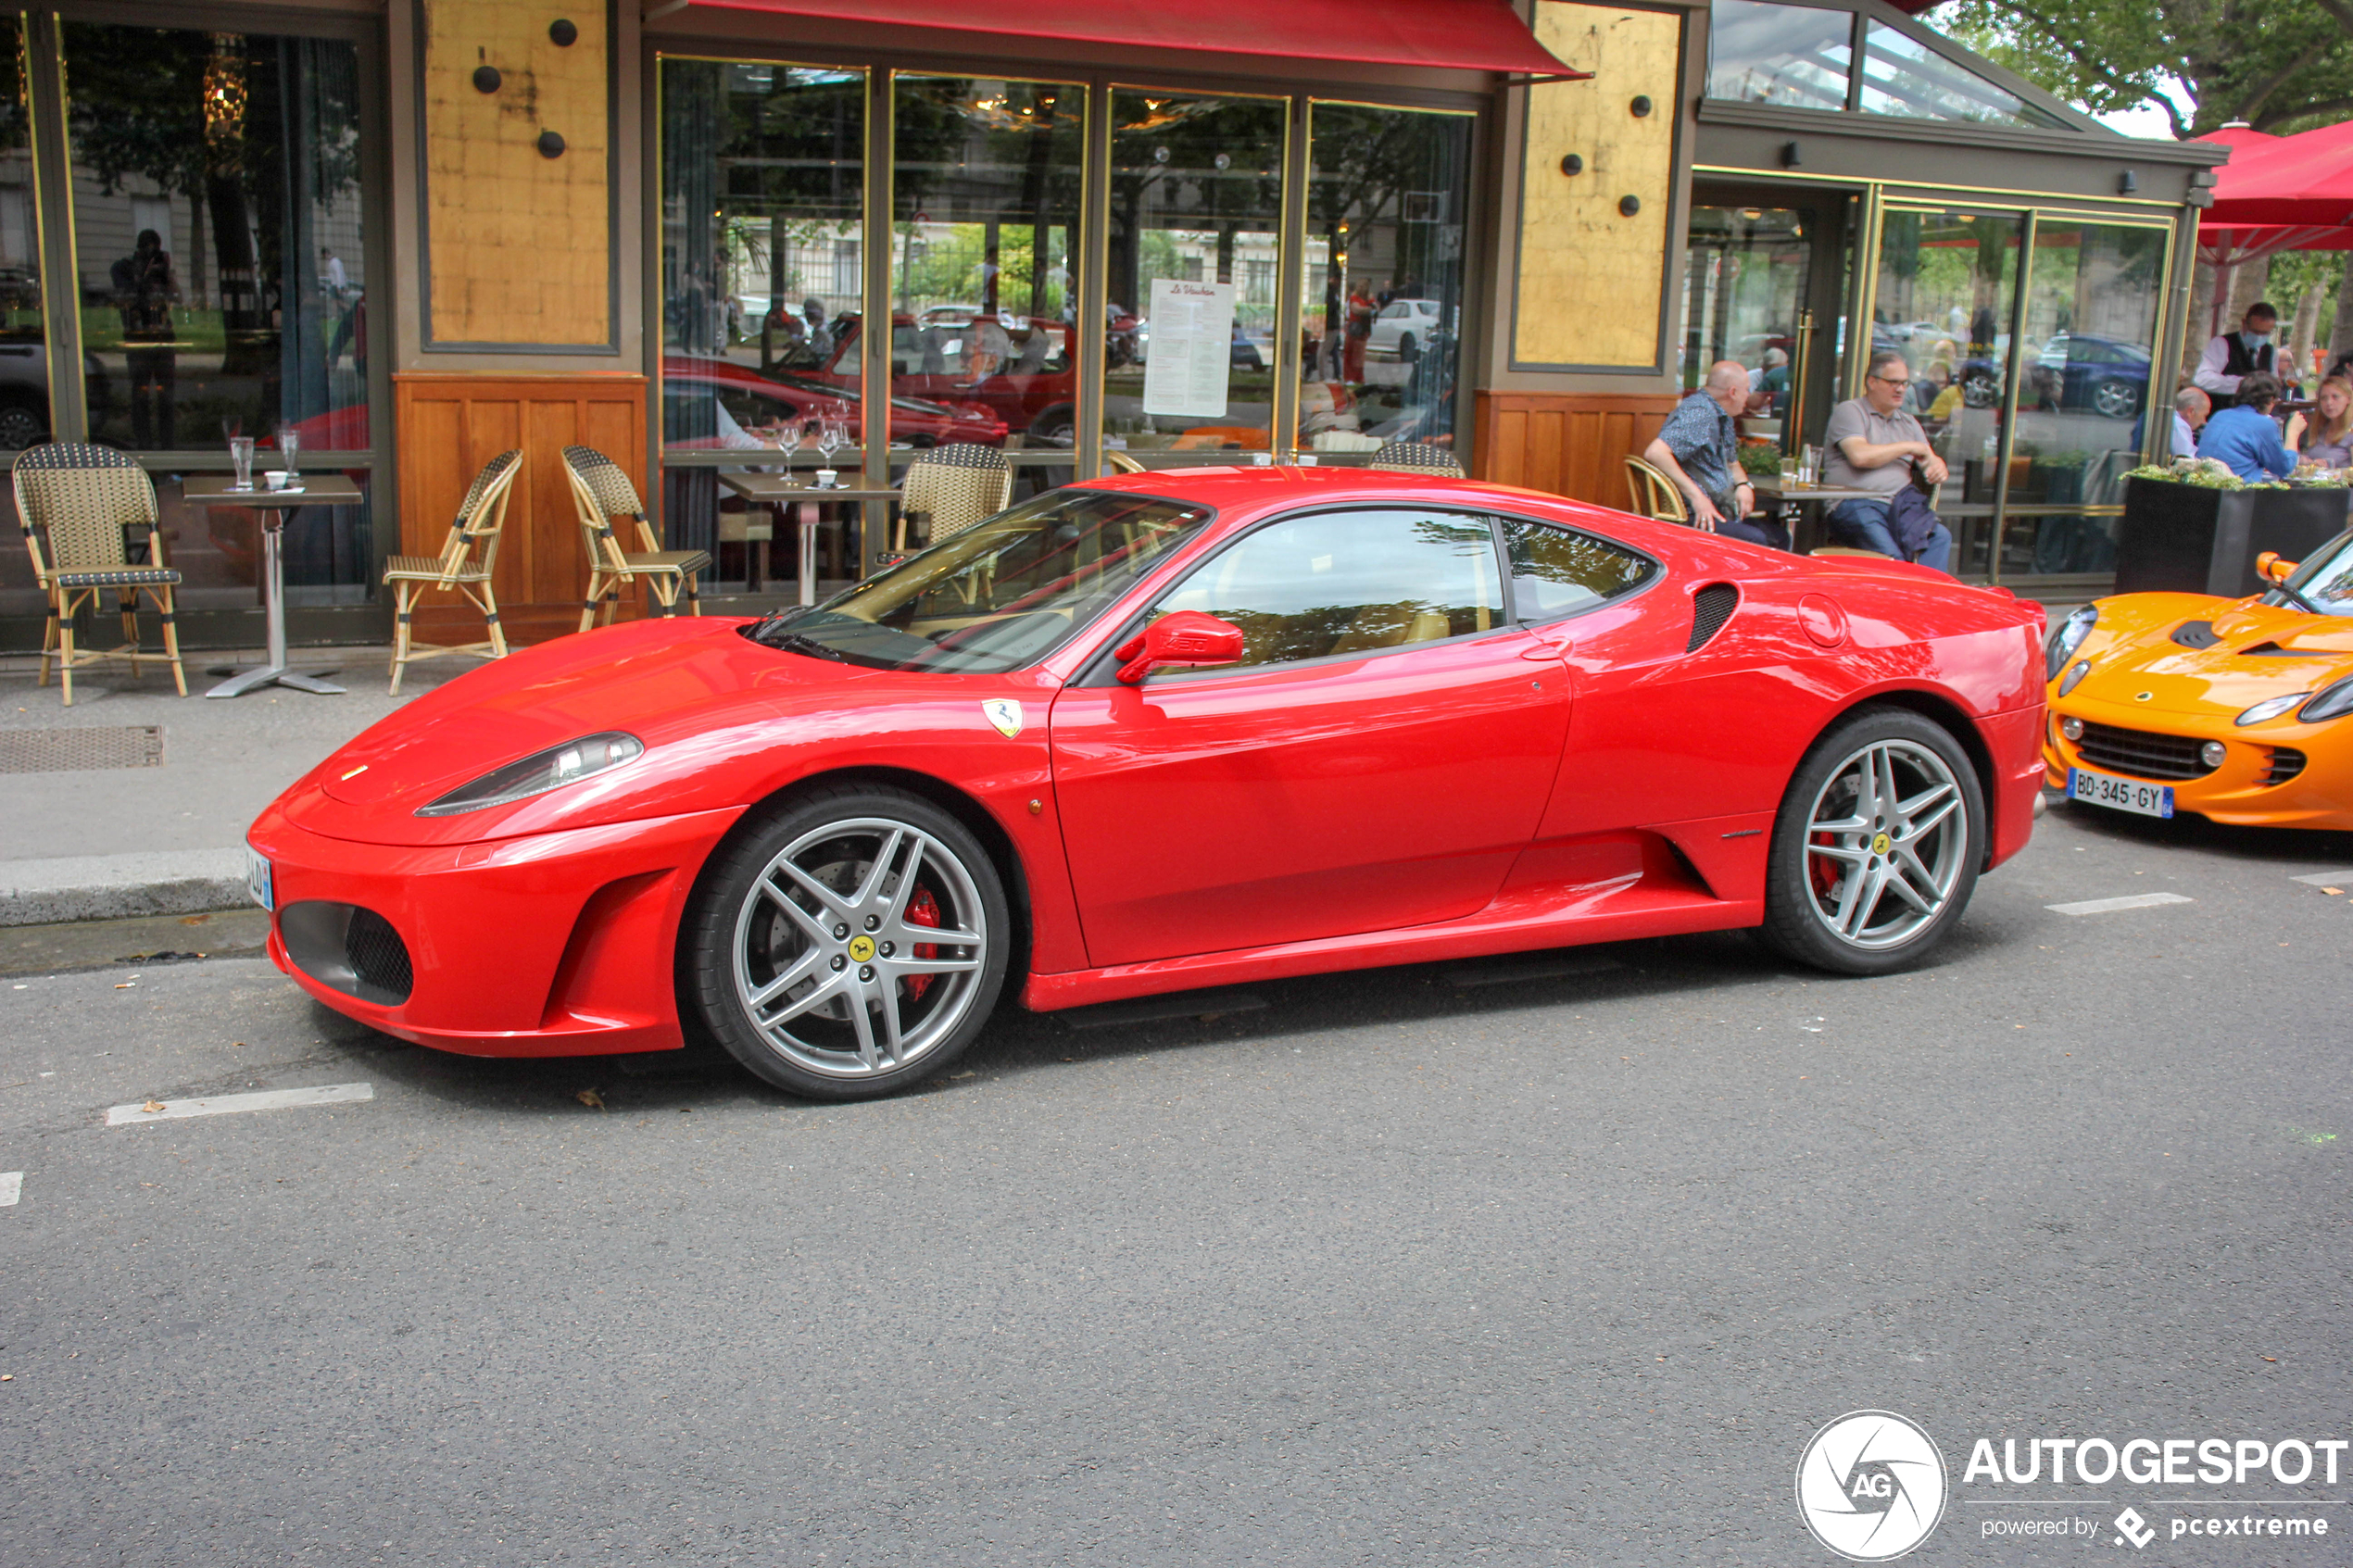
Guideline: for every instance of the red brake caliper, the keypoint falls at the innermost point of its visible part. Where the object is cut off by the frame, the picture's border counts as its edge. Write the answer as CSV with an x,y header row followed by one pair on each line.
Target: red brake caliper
x,y
922,909
1822,870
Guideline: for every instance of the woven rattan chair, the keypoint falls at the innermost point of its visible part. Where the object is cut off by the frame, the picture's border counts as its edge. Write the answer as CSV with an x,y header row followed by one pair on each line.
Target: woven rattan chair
x,y
949,488
601,492
1417,457
82,498
1655,494
1120,462
457,568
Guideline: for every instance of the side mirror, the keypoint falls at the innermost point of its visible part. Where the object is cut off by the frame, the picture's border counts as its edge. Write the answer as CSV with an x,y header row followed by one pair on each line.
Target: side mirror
x,y
2269,567
1184,639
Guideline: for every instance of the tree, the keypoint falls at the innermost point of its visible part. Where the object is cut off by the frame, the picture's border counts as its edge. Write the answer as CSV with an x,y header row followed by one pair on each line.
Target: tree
x,y
2280,64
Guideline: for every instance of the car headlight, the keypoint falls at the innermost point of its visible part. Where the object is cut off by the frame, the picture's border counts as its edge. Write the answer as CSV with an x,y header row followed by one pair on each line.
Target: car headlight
x,y
2335,702
2067,638
539,772
2269,708
2075,676
2071,728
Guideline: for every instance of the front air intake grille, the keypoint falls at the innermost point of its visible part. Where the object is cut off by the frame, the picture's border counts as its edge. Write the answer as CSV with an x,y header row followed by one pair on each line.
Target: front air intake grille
x,y
348,949
2142,754
1711,606
2286,763
377,955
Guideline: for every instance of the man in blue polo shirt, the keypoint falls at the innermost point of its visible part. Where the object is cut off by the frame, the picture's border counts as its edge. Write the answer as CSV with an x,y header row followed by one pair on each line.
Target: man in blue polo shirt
x,y
2246,439
1698,448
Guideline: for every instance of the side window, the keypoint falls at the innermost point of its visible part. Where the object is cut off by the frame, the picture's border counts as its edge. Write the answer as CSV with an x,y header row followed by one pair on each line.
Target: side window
x,y
1350,582
1556,572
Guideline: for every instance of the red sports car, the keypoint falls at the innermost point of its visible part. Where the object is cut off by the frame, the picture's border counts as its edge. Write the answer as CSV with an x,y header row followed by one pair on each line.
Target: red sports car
x,y
1155,733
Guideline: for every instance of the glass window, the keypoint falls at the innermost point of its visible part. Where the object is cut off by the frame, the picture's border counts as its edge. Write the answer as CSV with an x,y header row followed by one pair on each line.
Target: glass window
x,y
1947,285
2092,305
1904,76
1745,286
216,216
1350,582
998,596
1790,55
1388,191
1196,197
24,376
986,194
1557,572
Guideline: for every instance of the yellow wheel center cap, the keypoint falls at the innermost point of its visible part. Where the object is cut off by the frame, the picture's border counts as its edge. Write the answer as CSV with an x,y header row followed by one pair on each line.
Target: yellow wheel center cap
x,y
860,948
1880,843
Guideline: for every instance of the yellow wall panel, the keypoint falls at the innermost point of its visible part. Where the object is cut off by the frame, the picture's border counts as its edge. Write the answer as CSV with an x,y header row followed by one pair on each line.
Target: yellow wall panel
x,y
1589,276
520,247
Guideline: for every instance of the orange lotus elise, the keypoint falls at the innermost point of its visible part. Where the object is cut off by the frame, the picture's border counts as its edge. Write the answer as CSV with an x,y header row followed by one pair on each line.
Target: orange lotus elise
x,y
2236,709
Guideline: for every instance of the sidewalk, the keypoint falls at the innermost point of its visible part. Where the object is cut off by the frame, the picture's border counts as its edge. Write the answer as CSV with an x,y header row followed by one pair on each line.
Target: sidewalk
x,y
108,841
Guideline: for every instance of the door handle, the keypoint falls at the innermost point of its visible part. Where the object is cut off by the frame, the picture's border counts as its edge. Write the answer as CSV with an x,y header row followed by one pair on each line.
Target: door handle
x,y
1546,650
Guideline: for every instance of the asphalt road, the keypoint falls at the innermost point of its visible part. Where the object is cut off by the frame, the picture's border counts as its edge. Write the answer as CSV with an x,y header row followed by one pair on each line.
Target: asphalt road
x,y
1443,1266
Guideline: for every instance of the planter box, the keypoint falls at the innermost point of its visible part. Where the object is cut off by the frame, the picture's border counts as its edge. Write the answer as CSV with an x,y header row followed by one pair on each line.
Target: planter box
x,y
2186,539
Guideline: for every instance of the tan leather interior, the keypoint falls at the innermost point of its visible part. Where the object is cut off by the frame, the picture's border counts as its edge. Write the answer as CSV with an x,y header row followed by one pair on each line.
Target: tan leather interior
x,y
1390,626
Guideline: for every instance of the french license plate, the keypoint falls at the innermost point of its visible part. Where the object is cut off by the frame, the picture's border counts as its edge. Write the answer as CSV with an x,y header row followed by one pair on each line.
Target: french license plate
x,y
258,879
2121,794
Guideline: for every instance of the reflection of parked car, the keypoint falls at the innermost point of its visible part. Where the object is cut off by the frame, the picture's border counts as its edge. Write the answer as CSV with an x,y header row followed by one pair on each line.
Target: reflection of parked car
x,y
24,393
750,402
2109,375
1401,330
1034,391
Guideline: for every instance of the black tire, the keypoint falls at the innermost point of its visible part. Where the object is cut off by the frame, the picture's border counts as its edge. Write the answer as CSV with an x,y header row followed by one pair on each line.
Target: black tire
x,y
1810,904
22,425
855,1007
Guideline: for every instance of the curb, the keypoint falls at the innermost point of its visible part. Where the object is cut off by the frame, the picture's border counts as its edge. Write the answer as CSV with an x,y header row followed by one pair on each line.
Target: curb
x,y
169,882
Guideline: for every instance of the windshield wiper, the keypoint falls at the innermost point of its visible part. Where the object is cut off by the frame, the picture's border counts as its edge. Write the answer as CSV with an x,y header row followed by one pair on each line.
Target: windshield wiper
x,y
2287,592
800,642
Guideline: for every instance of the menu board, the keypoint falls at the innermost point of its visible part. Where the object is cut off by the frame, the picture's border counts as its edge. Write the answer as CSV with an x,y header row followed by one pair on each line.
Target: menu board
x,y
1192,356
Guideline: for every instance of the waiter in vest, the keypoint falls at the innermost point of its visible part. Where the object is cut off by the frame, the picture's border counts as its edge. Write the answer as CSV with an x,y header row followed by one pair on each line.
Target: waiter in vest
x,y
2237,354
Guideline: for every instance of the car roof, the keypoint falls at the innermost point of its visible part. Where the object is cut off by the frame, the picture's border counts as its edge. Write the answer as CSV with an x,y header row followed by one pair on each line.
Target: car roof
x,y
1252,488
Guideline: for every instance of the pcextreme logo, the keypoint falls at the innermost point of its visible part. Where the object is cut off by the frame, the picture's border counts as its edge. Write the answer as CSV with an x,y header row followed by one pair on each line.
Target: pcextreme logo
x,y
1871,1486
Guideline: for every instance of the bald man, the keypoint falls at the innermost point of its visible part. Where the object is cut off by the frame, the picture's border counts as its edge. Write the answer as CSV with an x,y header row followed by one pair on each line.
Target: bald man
x,y
1698,447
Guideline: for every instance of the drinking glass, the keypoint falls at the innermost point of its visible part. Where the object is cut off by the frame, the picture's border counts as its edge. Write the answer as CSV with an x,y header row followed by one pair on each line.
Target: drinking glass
x,y
786,433
290,452
831,436
240,454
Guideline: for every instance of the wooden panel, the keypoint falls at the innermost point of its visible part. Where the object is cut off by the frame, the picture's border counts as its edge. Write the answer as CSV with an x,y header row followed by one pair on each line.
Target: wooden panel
x,y
1569,444
521,244
1589,276
450,425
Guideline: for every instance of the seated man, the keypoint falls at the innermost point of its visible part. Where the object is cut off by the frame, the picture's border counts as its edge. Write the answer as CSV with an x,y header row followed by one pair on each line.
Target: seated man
x,y
2192,408
2246,439
1698,447
1873,444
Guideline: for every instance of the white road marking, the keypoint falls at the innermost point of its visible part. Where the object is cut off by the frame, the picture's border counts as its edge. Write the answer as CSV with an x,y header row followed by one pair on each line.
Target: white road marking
x,y
2324,879
11,1187
223,1105
2109,906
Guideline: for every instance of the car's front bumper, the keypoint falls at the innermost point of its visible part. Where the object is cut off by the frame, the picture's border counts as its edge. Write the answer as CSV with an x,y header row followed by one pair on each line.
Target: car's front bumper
x,y
556,943
2246,789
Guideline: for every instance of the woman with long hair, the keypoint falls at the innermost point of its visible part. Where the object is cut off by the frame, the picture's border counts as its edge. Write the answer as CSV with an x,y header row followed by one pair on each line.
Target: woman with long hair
x,y
2329,439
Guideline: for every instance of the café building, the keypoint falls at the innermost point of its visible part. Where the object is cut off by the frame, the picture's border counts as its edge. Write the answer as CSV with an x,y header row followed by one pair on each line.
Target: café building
x,y
419,232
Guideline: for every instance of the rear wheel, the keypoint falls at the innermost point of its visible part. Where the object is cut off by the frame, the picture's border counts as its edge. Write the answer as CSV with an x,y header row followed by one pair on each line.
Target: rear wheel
x,y
850,945
1876,849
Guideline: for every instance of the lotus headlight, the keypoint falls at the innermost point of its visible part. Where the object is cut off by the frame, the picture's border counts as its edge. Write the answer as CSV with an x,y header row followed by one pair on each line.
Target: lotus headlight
x,y
2075,676
539,772
2067,638
2270,707
2335,702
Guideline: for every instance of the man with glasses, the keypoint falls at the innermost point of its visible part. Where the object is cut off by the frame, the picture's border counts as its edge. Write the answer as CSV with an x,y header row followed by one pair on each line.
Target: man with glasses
x,y
1873,442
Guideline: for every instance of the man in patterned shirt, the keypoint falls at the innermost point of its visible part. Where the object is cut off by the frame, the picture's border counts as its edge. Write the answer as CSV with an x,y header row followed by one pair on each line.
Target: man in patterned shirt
x,y
1698,447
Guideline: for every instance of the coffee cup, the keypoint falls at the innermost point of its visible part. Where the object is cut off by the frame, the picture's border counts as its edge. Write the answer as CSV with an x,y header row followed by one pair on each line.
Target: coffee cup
x,y
276,478
826,477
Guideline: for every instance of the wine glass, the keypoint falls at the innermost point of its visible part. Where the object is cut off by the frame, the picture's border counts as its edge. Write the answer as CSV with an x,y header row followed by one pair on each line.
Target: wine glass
x,y
787,432
832,434
290,450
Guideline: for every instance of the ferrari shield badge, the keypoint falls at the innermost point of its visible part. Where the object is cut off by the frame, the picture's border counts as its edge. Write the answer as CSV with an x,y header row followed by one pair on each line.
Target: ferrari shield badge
x,y
1005,713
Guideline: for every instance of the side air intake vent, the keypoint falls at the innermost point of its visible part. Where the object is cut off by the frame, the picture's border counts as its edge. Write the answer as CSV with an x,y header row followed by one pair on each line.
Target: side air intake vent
x,y
1711,606
2196,634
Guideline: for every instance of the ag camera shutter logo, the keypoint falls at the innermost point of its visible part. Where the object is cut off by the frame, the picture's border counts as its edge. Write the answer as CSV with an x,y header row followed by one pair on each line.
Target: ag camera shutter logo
x,y
1871,1486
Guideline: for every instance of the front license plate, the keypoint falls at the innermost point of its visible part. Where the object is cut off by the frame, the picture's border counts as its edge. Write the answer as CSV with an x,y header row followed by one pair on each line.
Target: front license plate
x,y
2121,794
258,880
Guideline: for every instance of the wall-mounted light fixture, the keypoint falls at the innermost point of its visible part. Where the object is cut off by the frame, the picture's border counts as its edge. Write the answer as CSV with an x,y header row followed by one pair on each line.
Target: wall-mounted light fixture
x,y
1791,155
486,78
563,33
1629,206
550,144
1572,164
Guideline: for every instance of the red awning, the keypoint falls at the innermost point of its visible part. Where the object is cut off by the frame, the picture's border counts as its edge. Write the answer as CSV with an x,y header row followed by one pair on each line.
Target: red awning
x,y
1469,35
2305,180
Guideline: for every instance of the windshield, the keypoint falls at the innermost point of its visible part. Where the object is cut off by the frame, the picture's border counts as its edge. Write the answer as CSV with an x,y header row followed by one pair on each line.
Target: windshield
x,y
2326,581
1000,595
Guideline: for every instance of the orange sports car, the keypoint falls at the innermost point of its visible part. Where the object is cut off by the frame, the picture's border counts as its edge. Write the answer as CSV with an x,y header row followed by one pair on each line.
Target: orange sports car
x,y
2237,709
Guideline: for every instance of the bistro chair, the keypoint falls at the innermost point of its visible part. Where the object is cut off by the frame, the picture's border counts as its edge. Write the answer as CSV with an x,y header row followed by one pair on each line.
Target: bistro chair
x,y
601,492
1120,462
1655,494
84,500
1417,457
950,488
480,517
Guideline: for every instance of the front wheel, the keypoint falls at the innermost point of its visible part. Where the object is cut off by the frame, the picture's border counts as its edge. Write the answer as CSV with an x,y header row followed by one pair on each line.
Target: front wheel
x,y
2117,401
849,945
1876,849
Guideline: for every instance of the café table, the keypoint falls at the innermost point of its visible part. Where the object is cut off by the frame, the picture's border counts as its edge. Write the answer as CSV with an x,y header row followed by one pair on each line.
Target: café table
x,y
1811,501
277,509
779,491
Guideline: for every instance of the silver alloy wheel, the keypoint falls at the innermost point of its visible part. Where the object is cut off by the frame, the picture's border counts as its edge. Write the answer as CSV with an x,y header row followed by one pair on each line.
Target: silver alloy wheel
x,y
834,964
1886,842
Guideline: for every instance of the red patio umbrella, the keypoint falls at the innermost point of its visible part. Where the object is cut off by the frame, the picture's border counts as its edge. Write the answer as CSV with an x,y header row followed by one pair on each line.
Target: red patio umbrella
x,y
2276,194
